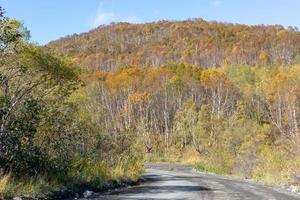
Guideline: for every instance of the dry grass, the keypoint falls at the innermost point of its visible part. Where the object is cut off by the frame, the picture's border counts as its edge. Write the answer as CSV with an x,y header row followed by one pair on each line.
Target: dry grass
x,y
4,181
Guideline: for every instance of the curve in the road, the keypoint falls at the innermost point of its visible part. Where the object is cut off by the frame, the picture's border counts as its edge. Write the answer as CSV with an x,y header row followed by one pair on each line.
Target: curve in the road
x,y
182,183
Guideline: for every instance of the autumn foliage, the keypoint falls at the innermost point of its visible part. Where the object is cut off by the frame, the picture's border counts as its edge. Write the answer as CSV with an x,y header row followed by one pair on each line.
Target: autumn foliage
x,y
235,100
225,94
234,117
196,41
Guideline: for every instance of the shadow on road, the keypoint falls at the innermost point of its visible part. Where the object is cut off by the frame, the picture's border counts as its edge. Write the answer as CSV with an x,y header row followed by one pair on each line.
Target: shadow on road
x,y
170,182
161,189
149,188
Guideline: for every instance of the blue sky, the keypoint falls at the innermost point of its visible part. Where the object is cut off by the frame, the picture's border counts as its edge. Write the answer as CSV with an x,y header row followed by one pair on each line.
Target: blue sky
x,y
51,19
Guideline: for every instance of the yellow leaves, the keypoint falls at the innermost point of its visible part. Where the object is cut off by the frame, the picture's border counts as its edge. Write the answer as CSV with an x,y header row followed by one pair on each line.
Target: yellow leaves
x,y
282,33
153,75
125,78
190,104
193,41
98,75
285,83
213,77
236,50
264,58
139,97
94,76
273,165
4,181
176,83
138,78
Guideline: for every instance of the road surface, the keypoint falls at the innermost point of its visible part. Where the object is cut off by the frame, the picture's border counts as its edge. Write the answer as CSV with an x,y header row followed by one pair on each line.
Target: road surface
x,y
164,182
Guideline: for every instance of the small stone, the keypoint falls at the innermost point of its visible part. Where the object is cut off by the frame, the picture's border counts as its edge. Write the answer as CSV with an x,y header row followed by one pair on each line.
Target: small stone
x,y
293,188
88,194
17,198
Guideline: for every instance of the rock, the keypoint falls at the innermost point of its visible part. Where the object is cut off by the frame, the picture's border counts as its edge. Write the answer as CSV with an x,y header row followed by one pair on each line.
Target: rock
x,y
17,198
88,194
76,196
293,188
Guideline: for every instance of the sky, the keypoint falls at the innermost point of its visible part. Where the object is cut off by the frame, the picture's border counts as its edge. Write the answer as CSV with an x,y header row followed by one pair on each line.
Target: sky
x,y
48,20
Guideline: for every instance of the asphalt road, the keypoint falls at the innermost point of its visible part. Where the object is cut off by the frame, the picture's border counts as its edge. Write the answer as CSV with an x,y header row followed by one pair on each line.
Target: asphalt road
x,y
164,182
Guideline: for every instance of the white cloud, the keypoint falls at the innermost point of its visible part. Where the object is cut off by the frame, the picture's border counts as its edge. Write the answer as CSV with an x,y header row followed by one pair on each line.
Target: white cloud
x,y
104,18
107,17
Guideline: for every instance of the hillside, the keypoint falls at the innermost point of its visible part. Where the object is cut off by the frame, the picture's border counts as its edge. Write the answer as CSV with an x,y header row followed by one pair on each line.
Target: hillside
x,y
142,104
197,42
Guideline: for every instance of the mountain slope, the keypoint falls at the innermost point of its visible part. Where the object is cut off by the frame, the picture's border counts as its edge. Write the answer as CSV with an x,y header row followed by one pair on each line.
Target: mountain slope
x,y
196,42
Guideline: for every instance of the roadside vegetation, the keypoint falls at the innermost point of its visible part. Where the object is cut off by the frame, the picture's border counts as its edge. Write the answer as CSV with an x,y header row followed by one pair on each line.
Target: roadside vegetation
x,y
233,107
50,141
65,128
231,120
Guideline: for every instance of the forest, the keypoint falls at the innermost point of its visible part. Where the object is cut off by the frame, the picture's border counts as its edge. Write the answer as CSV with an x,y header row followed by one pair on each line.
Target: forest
x,y
87,110
196,41
231,120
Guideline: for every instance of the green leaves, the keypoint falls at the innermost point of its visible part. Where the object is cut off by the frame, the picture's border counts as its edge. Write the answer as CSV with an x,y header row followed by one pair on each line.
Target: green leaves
x,y
12,34
33,83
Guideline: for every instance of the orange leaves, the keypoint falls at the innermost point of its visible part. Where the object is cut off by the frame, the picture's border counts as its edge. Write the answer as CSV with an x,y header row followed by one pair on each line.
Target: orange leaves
x,y
94,76
190,104
280,92
285,82
154,79
213,77
124,79
236,50
139,98
199,42
264,58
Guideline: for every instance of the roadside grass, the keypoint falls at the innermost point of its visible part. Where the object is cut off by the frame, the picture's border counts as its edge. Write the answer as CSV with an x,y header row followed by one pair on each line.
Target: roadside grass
x,y
96,177
271,167
37,187
186,156
4,180
203,166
